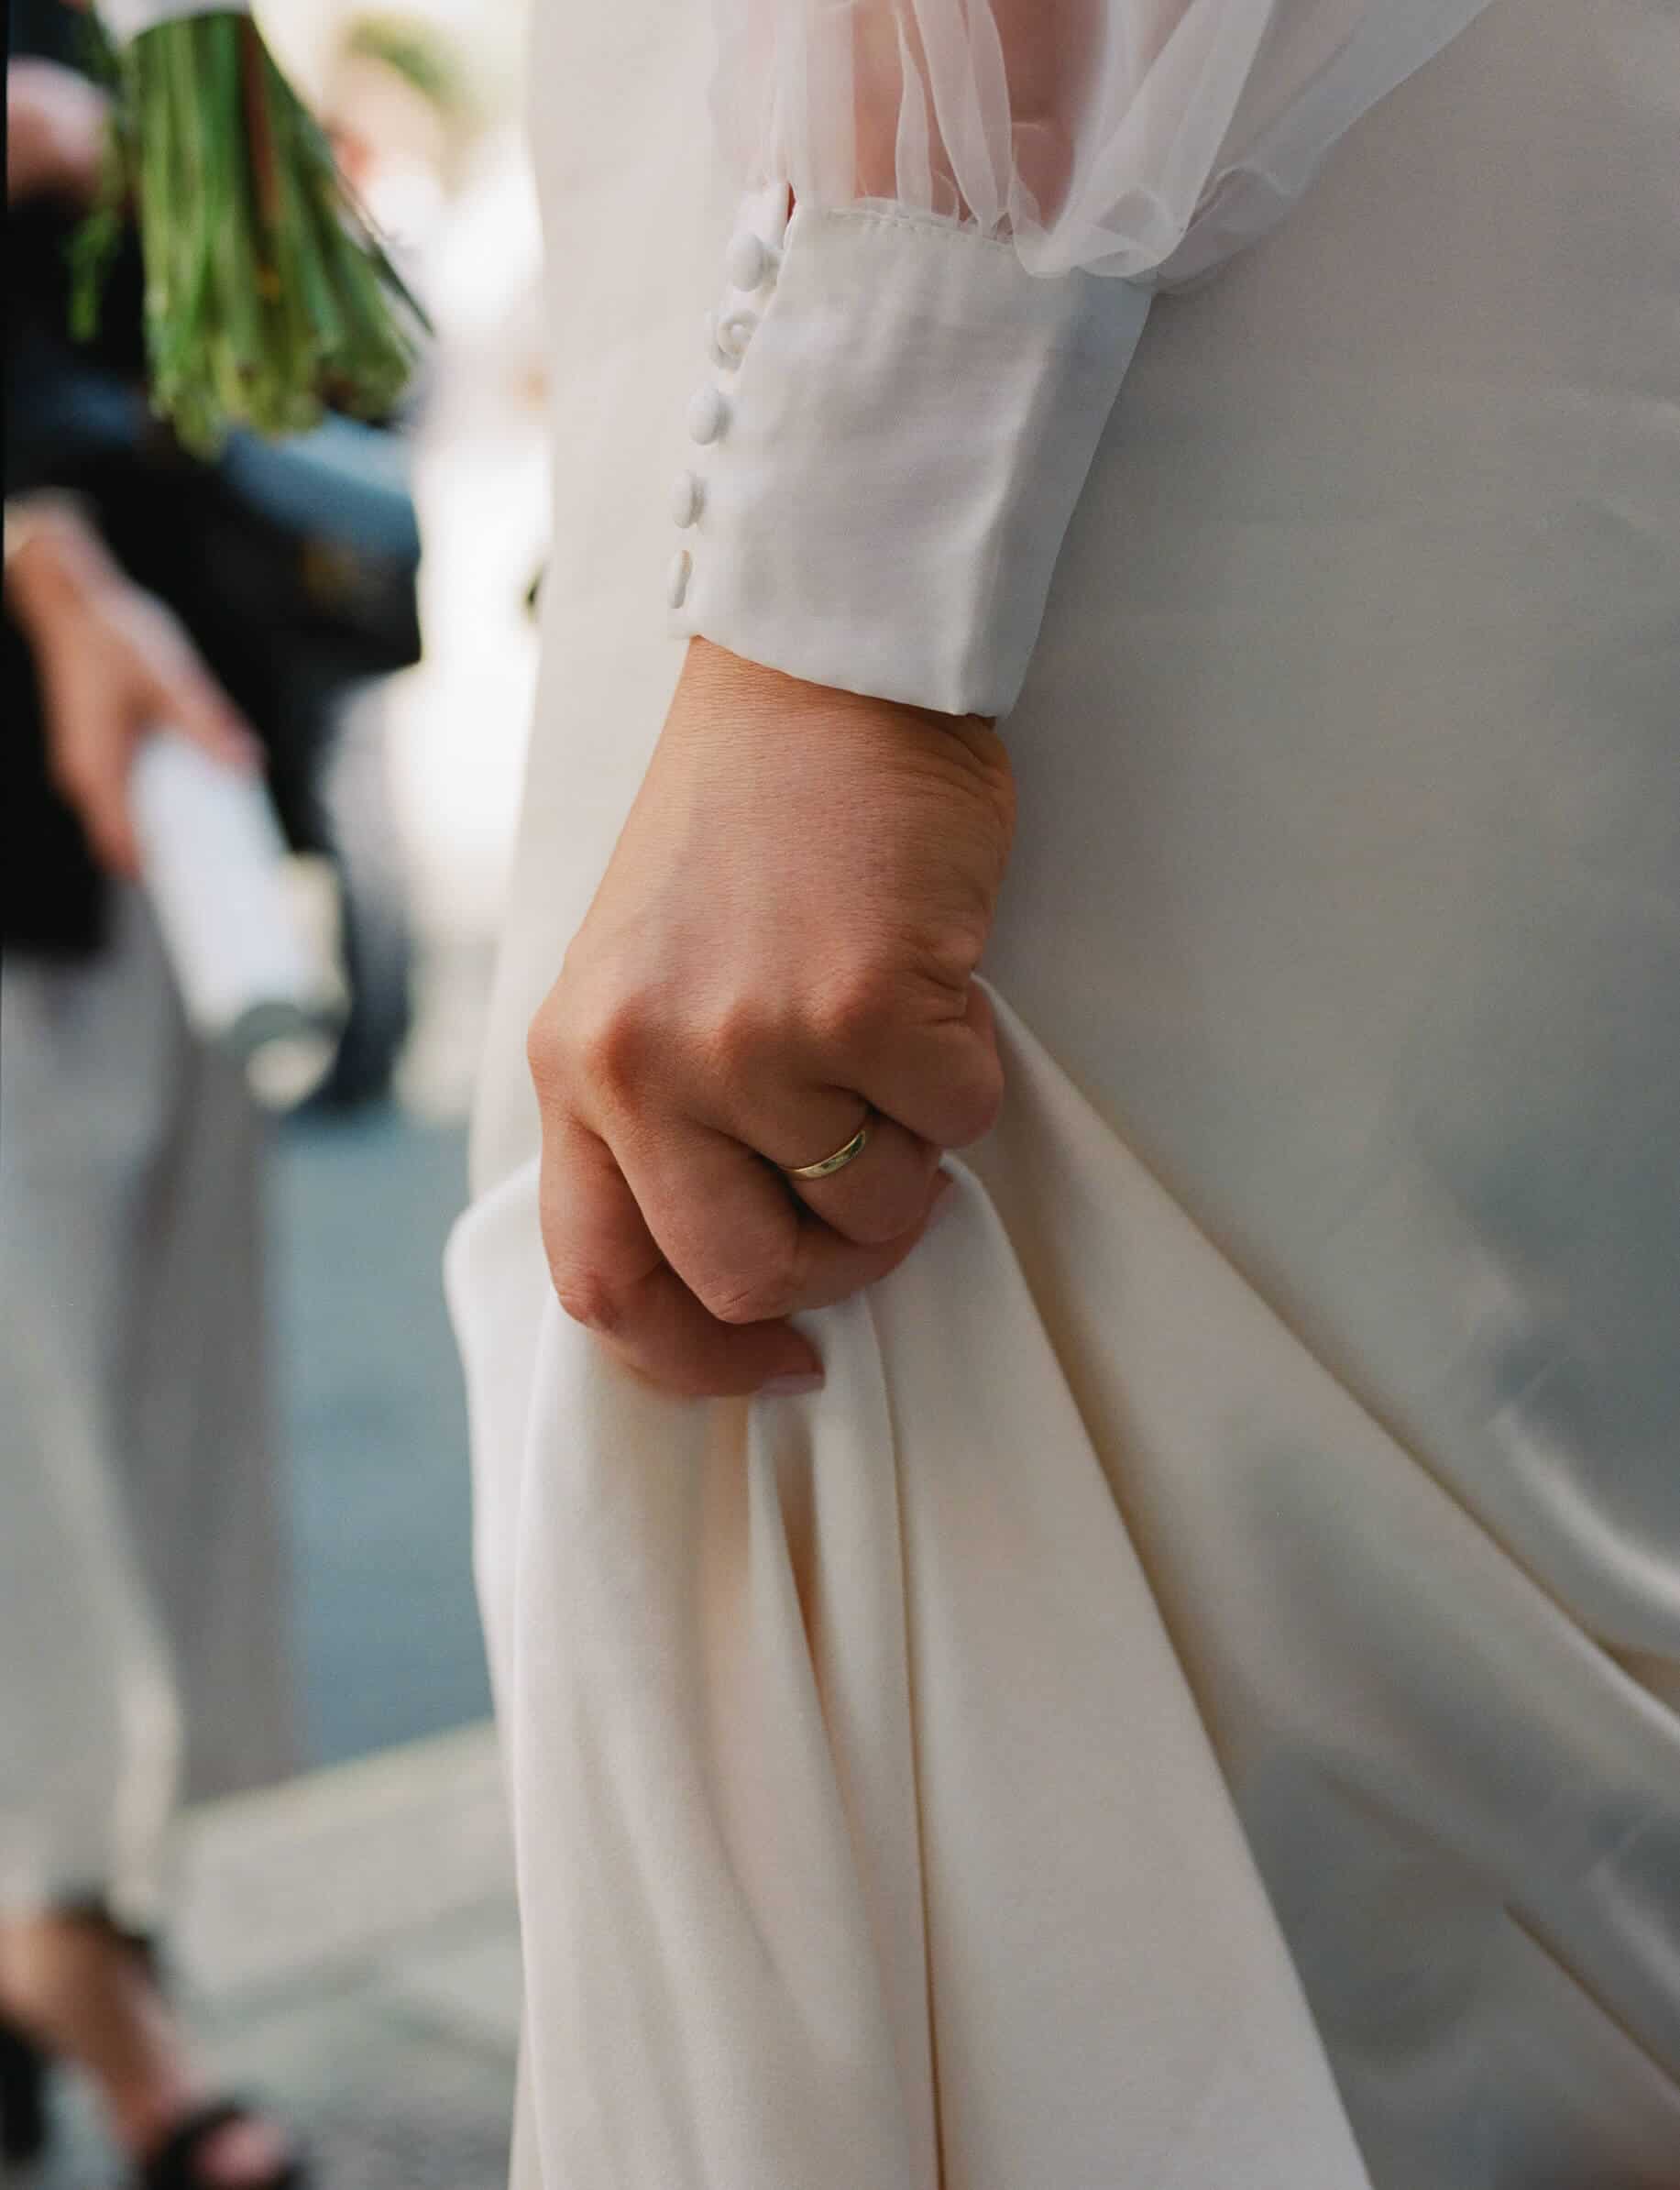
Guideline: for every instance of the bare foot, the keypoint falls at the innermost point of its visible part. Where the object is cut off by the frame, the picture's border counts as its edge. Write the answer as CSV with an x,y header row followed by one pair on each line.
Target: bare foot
x,y
84,1994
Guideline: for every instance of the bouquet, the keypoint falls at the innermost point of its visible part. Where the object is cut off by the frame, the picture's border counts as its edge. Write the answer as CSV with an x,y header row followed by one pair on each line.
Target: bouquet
x,y
269,297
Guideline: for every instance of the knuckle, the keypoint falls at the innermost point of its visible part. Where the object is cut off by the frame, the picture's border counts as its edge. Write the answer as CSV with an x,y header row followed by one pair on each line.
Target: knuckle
x,y
608,1039
598,1039
754,1296
587,1297
851,1007
945,951
737,1038
545,1049
976,1101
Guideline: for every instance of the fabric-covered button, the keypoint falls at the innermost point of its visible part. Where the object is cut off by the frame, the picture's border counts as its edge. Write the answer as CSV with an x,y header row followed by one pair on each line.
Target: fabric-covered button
x,y
676,577
733,331
748,262
707,414
686,496
715,350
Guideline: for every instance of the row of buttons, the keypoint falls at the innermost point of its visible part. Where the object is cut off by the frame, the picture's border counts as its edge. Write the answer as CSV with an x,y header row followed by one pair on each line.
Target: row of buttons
x,y
751,264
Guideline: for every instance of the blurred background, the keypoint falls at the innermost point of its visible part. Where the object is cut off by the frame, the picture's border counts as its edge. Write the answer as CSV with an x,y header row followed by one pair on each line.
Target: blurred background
x,y
423,104
342,1940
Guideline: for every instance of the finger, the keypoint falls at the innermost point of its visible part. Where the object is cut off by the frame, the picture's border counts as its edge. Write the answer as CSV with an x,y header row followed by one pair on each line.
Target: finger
x,y
881,1192
943,1081
99,792
188,699
726,1222
874,1197
610,1276
112,839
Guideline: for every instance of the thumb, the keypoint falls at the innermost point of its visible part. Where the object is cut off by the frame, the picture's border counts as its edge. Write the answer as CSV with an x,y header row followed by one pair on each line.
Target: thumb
x,y
92,774
190,700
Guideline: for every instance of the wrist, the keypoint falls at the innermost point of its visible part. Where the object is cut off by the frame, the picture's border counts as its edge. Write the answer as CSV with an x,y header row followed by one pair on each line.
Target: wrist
x,y
868,757
751,692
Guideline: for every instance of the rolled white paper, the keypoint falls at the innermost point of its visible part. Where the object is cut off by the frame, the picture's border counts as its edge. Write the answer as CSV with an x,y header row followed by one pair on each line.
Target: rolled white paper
x,y
213,862
125,19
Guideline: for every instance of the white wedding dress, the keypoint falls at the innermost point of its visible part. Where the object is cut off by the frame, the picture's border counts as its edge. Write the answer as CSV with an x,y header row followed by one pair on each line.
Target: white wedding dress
x,y
1191,1704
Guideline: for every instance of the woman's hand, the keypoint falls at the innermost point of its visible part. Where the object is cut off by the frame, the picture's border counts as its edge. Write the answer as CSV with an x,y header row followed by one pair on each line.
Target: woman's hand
x,y
784,939
112,665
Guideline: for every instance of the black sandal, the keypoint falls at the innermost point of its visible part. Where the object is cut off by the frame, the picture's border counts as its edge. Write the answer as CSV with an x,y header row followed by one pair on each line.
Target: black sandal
x,y
25,2122
174,2165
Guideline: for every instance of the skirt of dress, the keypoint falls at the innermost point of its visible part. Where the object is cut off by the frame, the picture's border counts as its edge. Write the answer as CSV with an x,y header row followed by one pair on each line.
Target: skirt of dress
x,y
1203,1673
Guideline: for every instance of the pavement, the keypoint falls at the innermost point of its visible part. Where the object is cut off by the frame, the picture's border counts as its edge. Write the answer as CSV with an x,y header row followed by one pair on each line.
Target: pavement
x,y
385,1627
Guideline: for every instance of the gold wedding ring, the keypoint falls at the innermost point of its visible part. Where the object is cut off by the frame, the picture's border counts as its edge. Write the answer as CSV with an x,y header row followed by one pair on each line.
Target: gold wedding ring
x,y
853,1149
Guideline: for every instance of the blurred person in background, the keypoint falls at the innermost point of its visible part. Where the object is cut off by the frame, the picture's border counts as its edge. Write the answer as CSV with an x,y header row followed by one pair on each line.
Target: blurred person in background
x,y
1165,1671
447,177
142,1634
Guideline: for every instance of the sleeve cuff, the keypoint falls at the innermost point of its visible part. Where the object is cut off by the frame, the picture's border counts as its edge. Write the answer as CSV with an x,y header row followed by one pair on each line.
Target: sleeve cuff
x,y
889,451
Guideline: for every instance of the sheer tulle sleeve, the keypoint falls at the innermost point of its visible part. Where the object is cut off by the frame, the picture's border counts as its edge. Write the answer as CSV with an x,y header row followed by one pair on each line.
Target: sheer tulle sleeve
x,y
1147,138
914,368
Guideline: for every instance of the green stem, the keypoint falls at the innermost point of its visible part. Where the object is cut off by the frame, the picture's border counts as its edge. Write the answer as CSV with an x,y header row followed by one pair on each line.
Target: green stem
x,y
266,292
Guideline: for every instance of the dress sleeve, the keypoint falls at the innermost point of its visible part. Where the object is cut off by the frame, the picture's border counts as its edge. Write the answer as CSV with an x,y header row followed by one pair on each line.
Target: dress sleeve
x,y
955,215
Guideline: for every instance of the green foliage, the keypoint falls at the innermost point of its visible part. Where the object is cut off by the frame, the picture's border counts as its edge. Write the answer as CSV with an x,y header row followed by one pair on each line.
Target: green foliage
x,y
267,295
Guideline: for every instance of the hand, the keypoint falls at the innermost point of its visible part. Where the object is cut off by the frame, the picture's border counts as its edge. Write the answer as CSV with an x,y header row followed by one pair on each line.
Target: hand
x,y
112,664
55,131
786,933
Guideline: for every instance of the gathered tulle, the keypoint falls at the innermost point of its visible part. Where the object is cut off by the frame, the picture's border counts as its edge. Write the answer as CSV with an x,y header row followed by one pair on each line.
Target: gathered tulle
x,y
1143,138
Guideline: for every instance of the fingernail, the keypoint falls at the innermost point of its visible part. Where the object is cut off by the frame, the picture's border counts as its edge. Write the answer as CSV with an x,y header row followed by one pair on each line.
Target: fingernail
x,y
789,1387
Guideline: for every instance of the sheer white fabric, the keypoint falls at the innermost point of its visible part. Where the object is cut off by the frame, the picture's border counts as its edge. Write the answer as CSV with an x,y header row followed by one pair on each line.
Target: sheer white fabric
x,y
1145,138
